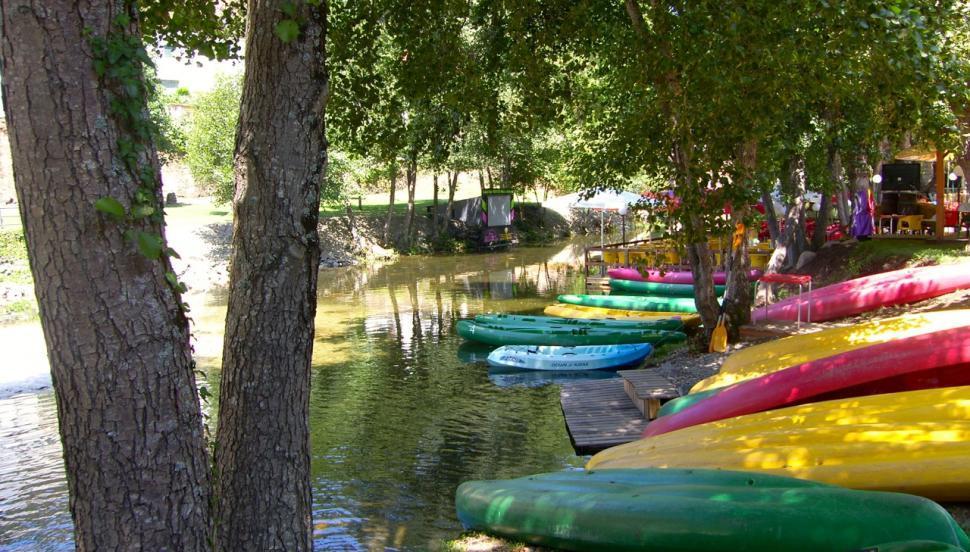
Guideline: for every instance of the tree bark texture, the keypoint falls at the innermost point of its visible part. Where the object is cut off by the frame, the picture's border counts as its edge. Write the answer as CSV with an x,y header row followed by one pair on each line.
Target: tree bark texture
x,y
262,455
770,216
390,208
452,185
412,181
434,209
117,340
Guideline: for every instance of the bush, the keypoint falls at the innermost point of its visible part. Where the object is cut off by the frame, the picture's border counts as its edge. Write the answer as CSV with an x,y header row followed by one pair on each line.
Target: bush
x,y
211,137
13,248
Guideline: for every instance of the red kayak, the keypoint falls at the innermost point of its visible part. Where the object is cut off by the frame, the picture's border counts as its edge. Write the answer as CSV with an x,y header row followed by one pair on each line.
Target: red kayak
x,y
938,359
852,297
672,277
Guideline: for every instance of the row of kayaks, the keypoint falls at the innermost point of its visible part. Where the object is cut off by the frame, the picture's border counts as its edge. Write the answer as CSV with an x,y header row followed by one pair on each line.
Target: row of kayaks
x,y
803,443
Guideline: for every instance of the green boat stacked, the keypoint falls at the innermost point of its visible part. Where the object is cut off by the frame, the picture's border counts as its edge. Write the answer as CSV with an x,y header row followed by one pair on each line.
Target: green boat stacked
x,y
685,510
501,335
632,287
673,323
633,302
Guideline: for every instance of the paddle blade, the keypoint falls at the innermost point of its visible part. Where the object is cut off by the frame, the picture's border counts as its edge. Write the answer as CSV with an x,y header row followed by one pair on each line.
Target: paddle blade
x,y
718,337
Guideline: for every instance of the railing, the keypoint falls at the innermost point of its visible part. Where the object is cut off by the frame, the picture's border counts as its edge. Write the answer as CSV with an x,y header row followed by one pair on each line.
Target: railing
x,y
9,217
649,252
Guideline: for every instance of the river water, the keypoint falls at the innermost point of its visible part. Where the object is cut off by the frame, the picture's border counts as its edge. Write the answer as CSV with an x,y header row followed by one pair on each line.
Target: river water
x,y
401,411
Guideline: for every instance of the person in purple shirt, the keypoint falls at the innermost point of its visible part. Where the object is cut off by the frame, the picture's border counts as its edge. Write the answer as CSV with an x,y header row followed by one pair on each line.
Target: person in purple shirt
x,y
862,217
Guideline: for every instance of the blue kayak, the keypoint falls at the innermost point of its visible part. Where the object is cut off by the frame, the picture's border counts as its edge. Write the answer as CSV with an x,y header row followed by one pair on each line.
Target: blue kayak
x,y
588,357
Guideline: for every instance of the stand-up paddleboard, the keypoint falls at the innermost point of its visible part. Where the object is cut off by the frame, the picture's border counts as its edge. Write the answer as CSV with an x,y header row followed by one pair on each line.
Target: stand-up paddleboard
x,y
681,510
852,297
915,442
593,357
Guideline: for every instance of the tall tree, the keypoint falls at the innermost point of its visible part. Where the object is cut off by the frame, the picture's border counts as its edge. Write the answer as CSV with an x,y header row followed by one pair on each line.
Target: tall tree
x,y
88,181
262,454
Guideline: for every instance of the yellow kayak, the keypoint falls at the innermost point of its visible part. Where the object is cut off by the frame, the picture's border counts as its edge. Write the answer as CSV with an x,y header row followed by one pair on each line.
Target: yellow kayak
x,y
580,311
756,361
916,442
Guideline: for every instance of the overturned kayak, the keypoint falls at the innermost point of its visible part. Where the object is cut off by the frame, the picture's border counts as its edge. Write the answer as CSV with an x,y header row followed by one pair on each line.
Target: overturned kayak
x,y
758,360
695,509
566,337
632,302
937,359
630,287
599,313
852,297
670,277
666,323
915,442
590,357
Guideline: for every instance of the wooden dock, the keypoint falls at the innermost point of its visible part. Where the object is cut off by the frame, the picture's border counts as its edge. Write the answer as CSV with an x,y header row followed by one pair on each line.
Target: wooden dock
x,y
604,413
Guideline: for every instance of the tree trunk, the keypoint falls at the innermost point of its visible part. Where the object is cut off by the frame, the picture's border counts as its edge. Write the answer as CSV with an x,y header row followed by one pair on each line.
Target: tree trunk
x,y
412,177
771,217
481,181
842,206
390,209
262,454
702,267
117,338
434,208
822,222
452,185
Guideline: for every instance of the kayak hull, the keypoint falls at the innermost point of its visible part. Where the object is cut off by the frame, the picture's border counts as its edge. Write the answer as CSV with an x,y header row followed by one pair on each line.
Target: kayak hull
x,y
574,337
598,313
630,287
943,357
915,442
595,357
859,295
766,358
654,509
670,277
632,302
672,324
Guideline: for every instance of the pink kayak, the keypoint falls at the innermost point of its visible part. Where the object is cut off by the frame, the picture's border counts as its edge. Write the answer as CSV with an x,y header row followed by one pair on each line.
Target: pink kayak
x,y
671,277
938,359
852,297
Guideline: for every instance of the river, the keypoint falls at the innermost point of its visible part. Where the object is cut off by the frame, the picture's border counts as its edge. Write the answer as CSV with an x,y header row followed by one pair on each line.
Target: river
x,y
401,411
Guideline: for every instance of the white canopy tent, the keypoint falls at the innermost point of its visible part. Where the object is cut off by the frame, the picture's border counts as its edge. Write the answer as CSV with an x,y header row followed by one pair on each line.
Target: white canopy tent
x,y
608,200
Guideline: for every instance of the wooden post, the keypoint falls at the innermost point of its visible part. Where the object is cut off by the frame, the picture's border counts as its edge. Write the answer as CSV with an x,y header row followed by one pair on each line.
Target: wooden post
x,y
940,195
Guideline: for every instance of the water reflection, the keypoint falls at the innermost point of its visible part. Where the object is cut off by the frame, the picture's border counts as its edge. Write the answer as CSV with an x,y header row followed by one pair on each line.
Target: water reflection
x,y
398,417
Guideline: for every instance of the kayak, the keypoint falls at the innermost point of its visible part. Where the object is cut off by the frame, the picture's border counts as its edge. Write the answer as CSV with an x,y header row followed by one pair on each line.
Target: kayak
x,y
852,297
632,302
766,358
915,442
670,277
568,337
590,357
693,509
666,323
599,313
630,287
937,359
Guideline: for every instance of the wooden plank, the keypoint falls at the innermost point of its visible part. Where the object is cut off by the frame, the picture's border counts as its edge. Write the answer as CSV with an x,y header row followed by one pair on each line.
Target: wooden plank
x,y
599,415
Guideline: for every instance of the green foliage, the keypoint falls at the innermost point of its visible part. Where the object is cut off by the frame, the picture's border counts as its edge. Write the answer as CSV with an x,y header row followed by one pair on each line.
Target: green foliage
x,y
212,29
13,247
211,137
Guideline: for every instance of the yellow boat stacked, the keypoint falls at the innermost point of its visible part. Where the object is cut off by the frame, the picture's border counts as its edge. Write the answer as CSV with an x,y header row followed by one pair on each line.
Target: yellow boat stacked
x,y
758,360
915,442
580,311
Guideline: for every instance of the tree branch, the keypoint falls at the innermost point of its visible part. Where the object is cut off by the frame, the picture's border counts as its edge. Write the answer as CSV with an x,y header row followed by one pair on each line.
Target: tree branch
x,y
636,17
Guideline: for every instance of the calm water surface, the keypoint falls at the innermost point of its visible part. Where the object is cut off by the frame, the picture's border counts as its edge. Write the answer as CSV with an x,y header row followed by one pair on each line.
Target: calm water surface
x,y
401,411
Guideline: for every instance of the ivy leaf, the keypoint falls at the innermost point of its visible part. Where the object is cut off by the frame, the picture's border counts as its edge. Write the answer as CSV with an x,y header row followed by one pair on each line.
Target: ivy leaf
x,y
287,30
110,206
150,245
142,211
172,279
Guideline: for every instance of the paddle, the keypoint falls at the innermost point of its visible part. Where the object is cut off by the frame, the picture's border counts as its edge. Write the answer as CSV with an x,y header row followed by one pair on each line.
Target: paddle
x,y
719,335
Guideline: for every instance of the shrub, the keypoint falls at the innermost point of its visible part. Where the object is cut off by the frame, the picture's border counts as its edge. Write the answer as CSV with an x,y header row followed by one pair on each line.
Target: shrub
x,y
211,137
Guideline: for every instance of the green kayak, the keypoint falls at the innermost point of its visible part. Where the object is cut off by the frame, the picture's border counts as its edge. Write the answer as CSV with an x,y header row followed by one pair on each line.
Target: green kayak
x,y
698,510
494,335
630,287
633,302
673,323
